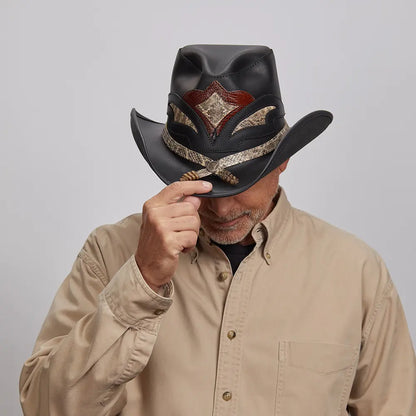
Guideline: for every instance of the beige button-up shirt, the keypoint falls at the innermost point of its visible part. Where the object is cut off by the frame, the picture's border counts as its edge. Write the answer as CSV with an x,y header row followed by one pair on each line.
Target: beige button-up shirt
x,y
310,324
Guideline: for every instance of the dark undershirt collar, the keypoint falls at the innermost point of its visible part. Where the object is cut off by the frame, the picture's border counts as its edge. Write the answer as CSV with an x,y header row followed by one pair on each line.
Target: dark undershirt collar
x,y
236,253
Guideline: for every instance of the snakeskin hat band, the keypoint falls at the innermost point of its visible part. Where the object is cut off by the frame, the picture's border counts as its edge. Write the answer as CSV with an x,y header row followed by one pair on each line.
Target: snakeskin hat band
x,y
218,167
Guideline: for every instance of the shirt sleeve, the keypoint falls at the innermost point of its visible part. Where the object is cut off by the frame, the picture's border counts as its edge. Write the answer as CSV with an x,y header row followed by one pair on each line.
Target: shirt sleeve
x,y
385,380
95,338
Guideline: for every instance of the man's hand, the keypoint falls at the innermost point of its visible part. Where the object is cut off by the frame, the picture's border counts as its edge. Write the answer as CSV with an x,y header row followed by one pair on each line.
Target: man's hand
x,y
170,225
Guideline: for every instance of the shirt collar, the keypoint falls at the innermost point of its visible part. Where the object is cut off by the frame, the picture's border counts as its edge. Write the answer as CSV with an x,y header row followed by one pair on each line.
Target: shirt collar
x,y
272,226
264,232
277,217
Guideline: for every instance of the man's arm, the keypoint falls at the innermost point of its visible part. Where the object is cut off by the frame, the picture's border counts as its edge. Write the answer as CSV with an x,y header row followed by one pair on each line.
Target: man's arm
x,y
385,381
99,333
93,340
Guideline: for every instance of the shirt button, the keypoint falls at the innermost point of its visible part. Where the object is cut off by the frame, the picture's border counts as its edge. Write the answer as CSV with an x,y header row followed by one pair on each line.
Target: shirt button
x,y
201,232
227,396
159,311
268,256
231,334
223,276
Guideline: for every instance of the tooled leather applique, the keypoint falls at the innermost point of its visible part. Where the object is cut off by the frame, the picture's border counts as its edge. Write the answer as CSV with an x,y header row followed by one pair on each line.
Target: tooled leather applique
x,y
180,117
215,105
256,119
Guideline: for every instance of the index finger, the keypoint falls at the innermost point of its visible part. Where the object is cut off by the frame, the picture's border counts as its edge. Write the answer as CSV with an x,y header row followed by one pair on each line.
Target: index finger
x,y
178,190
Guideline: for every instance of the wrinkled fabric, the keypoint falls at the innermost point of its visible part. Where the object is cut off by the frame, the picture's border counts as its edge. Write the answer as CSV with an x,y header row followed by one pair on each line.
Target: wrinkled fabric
x,y
310,324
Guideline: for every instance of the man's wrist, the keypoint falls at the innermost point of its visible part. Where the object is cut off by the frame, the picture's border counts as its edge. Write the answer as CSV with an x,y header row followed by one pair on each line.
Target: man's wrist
x,y
156,288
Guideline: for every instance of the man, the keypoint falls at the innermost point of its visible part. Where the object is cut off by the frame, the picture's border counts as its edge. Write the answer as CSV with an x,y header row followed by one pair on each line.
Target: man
x,y
221,298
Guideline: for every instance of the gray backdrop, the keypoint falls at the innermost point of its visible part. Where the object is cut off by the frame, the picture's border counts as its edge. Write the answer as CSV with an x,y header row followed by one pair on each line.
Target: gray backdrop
x,y
71,71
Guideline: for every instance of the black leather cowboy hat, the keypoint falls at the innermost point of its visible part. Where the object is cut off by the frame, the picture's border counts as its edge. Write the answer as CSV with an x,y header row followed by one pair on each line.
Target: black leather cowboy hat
x,y
225,120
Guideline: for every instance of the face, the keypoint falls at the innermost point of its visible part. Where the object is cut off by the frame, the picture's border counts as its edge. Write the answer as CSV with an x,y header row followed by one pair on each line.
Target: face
x,y
230,220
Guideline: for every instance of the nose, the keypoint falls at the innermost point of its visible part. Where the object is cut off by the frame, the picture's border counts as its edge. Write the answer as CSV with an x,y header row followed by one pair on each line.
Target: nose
x,y
219,206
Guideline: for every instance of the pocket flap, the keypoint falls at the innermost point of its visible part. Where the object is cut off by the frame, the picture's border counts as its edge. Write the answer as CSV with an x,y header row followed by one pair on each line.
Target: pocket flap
x,y
320,357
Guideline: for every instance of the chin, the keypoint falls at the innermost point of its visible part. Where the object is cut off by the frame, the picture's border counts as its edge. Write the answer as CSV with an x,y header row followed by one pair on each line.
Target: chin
x,y
226,238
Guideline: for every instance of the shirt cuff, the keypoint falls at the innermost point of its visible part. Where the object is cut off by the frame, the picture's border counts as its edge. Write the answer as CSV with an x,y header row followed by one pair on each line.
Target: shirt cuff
x,y
133,302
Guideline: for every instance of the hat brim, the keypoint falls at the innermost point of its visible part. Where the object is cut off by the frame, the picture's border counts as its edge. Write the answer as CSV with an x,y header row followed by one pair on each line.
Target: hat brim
x,y
170,167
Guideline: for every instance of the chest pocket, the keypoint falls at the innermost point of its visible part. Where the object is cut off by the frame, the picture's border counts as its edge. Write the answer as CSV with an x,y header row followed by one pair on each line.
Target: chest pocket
x,y
314,378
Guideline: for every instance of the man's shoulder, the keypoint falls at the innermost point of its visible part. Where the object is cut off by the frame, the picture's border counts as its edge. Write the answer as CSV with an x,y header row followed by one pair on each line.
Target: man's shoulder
x,y
343,252
333,237
123,230
110,245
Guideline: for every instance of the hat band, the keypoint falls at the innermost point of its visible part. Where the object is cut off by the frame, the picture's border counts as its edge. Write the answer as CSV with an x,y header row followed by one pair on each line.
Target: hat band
x,y
218,167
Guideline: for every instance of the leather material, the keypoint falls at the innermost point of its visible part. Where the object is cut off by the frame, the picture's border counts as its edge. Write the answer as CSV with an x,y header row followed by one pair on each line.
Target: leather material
x,y
216,87
238,67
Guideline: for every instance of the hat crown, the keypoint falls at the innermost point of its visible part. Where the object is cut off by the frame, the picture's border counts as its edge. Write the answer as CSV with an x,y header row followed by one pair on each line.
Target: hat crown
x,y
222,59
250,68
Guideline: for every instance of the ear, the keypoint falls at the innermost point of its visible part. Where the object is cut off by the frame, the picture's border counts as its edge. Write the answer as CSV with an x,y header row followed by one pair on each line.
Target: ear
x,y
282,167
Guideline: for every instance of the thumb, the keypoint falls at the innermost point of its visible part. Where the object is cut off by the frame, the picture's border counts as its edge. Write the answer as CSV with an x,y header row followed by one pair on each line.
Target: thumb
x,y
195,201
